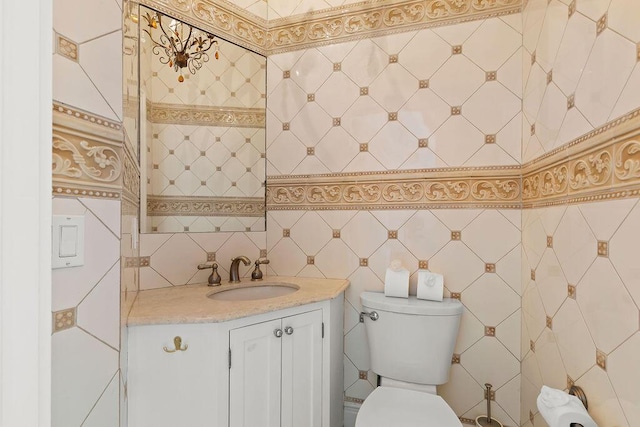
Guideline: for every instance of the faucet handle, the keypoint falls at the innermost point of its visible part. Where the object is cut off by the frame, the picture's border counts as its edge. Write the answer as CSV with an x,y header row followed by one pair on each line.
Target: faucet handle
x,y
214,278
257,273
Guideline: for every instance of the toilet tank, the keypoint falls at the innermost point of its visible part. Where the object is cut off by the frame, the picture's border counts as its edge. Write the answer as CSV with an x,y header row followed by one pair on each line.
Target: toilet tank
x,y
412,340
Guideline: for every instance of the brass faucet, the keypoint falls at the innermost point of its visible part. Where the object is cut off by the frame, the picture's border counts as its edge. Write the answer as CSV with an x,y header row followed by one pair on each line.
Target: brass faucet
x,y
234,275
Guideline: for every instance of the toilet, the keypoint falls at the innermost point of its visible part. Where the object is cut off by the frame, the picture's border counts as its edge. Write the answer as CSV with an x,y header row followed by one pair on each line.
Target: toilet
x,y
411,342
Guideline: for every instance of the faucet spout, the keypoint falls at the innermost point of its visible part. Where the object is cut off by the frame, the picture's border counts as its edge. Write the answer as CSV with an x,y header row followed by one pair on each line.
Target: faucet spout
x,y
234,274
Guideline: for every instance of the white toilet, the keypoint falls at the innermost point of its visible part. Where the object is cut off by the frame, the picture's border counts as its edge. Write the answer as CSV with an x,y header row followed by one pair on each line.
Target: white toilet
x,y
411,342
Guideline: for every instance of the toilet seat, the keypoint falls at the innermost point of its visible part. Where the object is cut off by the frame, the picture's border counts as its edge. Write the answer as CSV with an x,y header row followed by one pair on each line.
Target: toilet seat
x,y
389,406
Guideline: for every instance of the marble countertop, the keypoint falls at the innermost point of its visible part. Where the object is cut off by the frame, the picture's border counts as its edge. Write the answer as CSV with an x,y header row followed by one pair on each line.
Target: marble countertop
x,y
189,303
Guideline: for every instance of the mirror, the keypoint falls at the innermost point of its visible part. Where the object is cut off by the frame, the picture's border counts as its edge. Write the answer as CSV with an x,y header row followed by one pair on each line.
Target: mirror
x,y
202,130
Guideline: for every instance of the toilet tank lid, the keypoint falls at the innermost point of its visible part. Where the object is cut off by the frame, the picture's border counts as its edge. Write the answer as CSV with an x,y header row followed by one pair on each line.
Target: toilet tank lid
x,y
412,305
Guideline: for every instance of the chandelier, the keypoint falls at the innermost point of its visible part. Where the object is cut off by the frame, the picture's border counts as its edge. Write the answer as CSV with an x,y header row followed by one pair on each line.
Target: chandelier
x,y
180,45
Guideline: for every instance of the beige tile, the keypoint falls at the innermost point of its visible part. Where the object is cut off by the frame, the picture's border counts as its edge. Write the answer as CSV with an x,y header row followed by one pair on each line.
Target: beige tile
x,y
424,235
424,113
105,412
462,392
78,377
393,145
336,259
574,340
551,282
550,362
311,233
480,236
99,311
625,377
604,405
424,54
608,309
509,333
533,312
456,141
574,243
623,253
492,44
365,52
491,300
311,70
363,234
287,259
488,361
337,94
362,280
599,87
447,262
392,87
457,80
508,397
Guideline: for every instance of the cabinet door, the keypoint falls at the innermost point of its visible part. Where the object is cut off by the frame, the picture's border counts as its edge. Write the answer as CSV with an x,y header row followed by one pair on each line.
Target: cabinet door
x,y
169,388
254,376
302,370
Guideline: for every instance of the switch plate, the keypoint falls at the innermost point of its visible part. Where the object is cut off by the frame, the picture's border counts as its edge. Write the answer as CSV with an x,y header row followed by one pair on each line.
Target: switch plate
x,y
68,241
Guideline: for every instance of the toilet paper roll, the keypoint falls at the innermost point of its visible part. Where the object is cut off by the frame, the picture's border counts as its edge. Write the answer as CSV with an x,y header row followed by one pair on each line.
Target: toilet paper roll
x,y
430,286
396,281
560,409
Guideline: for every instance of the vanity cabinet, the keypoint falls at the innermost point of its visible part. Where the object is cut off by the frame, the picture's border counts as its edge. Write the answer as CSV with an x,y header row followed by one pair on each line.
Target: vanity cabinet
x,y
275,377
277,369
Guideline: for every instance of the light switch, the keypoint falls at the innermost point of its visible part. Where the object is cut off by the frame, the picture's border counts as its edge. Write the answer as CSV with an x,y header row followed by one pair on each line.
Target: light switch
x,y
68,241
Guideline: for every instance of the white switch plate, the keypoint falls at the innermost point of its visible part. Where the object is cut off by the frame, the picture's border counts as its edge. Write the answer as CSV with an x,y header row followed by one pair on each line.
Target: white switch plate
x,y
68,241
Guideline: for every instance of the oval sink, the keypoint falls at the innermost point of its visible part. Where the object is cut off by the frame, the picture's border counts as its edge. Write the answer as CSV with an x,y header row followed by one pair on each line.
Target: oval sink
x,y
255,292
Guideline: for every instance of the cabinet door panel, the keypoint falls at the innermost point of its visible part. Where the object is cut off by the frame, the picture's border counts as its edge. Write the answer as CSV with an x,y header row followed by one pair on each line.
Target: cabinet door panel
x,y
171,389
302,370
254,377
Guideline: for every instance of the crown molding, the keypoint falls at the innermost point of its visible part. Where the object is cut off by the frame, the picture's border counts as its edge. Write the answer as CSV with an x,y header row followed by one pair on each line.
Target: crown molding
x,y
366,19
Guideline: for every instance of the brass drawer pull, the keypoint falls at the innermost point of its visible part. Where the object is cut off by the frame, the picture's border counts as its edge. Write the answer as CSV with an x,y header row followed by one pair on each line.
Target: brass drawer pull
x,y
177,342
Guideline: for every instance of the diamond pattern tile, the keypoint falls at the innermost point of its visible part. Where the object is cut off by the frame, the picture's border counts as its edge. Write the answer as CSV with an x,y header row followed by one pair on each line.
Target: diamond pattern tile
x,y
457,80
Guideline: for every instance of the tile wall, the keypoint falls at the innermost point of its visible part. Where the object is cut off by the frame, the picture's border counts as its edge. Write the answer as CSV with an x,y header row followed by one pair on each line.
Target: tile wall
x,y
420,99
86,318
446,97
580,278
87,382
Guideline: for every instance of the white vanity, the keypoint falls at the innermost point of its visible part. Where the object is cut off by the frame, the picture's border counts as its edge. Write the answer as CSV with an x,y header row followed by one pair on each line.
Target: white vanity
x,y
210,356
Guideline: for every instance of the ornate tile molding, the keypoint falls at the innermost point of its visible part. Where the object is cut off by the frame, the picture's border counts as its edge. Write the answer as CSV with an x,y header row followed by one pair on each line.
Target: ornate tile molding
x,y
87,158
239,26
603,164
130,179
365,19
375,18
197,115
419,189
205,206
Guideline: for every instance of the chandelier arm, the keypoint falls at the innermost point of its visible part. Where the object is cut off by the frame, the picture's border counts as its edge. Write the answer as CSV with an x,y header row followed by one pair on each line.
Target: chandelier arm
x,y
169,38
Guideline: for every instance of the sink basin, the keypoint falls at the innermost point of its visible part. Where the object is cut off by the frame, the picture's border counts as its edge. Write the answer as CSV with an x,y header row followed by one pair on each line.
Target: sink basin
x,y
253,292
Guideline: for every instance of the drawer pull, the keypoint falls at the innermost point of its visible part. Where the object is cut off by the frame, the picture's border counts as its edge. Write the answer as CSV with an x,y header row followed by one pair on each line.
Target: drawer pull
x,y
177,342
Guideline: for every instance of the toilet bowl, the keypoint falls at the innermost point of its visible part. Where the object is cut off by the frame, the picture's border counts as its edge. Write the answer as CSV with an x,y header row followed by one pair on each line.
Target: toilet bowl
x,y
410,342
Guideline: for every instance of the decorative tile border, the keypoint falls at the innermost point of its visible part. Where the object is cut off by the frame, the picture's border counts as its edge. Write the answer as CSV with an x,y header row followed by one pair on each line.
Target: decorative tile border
x,y
420,189
205,206
197,115
376,18
602,165
130,179
366,19
239,26
87,154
